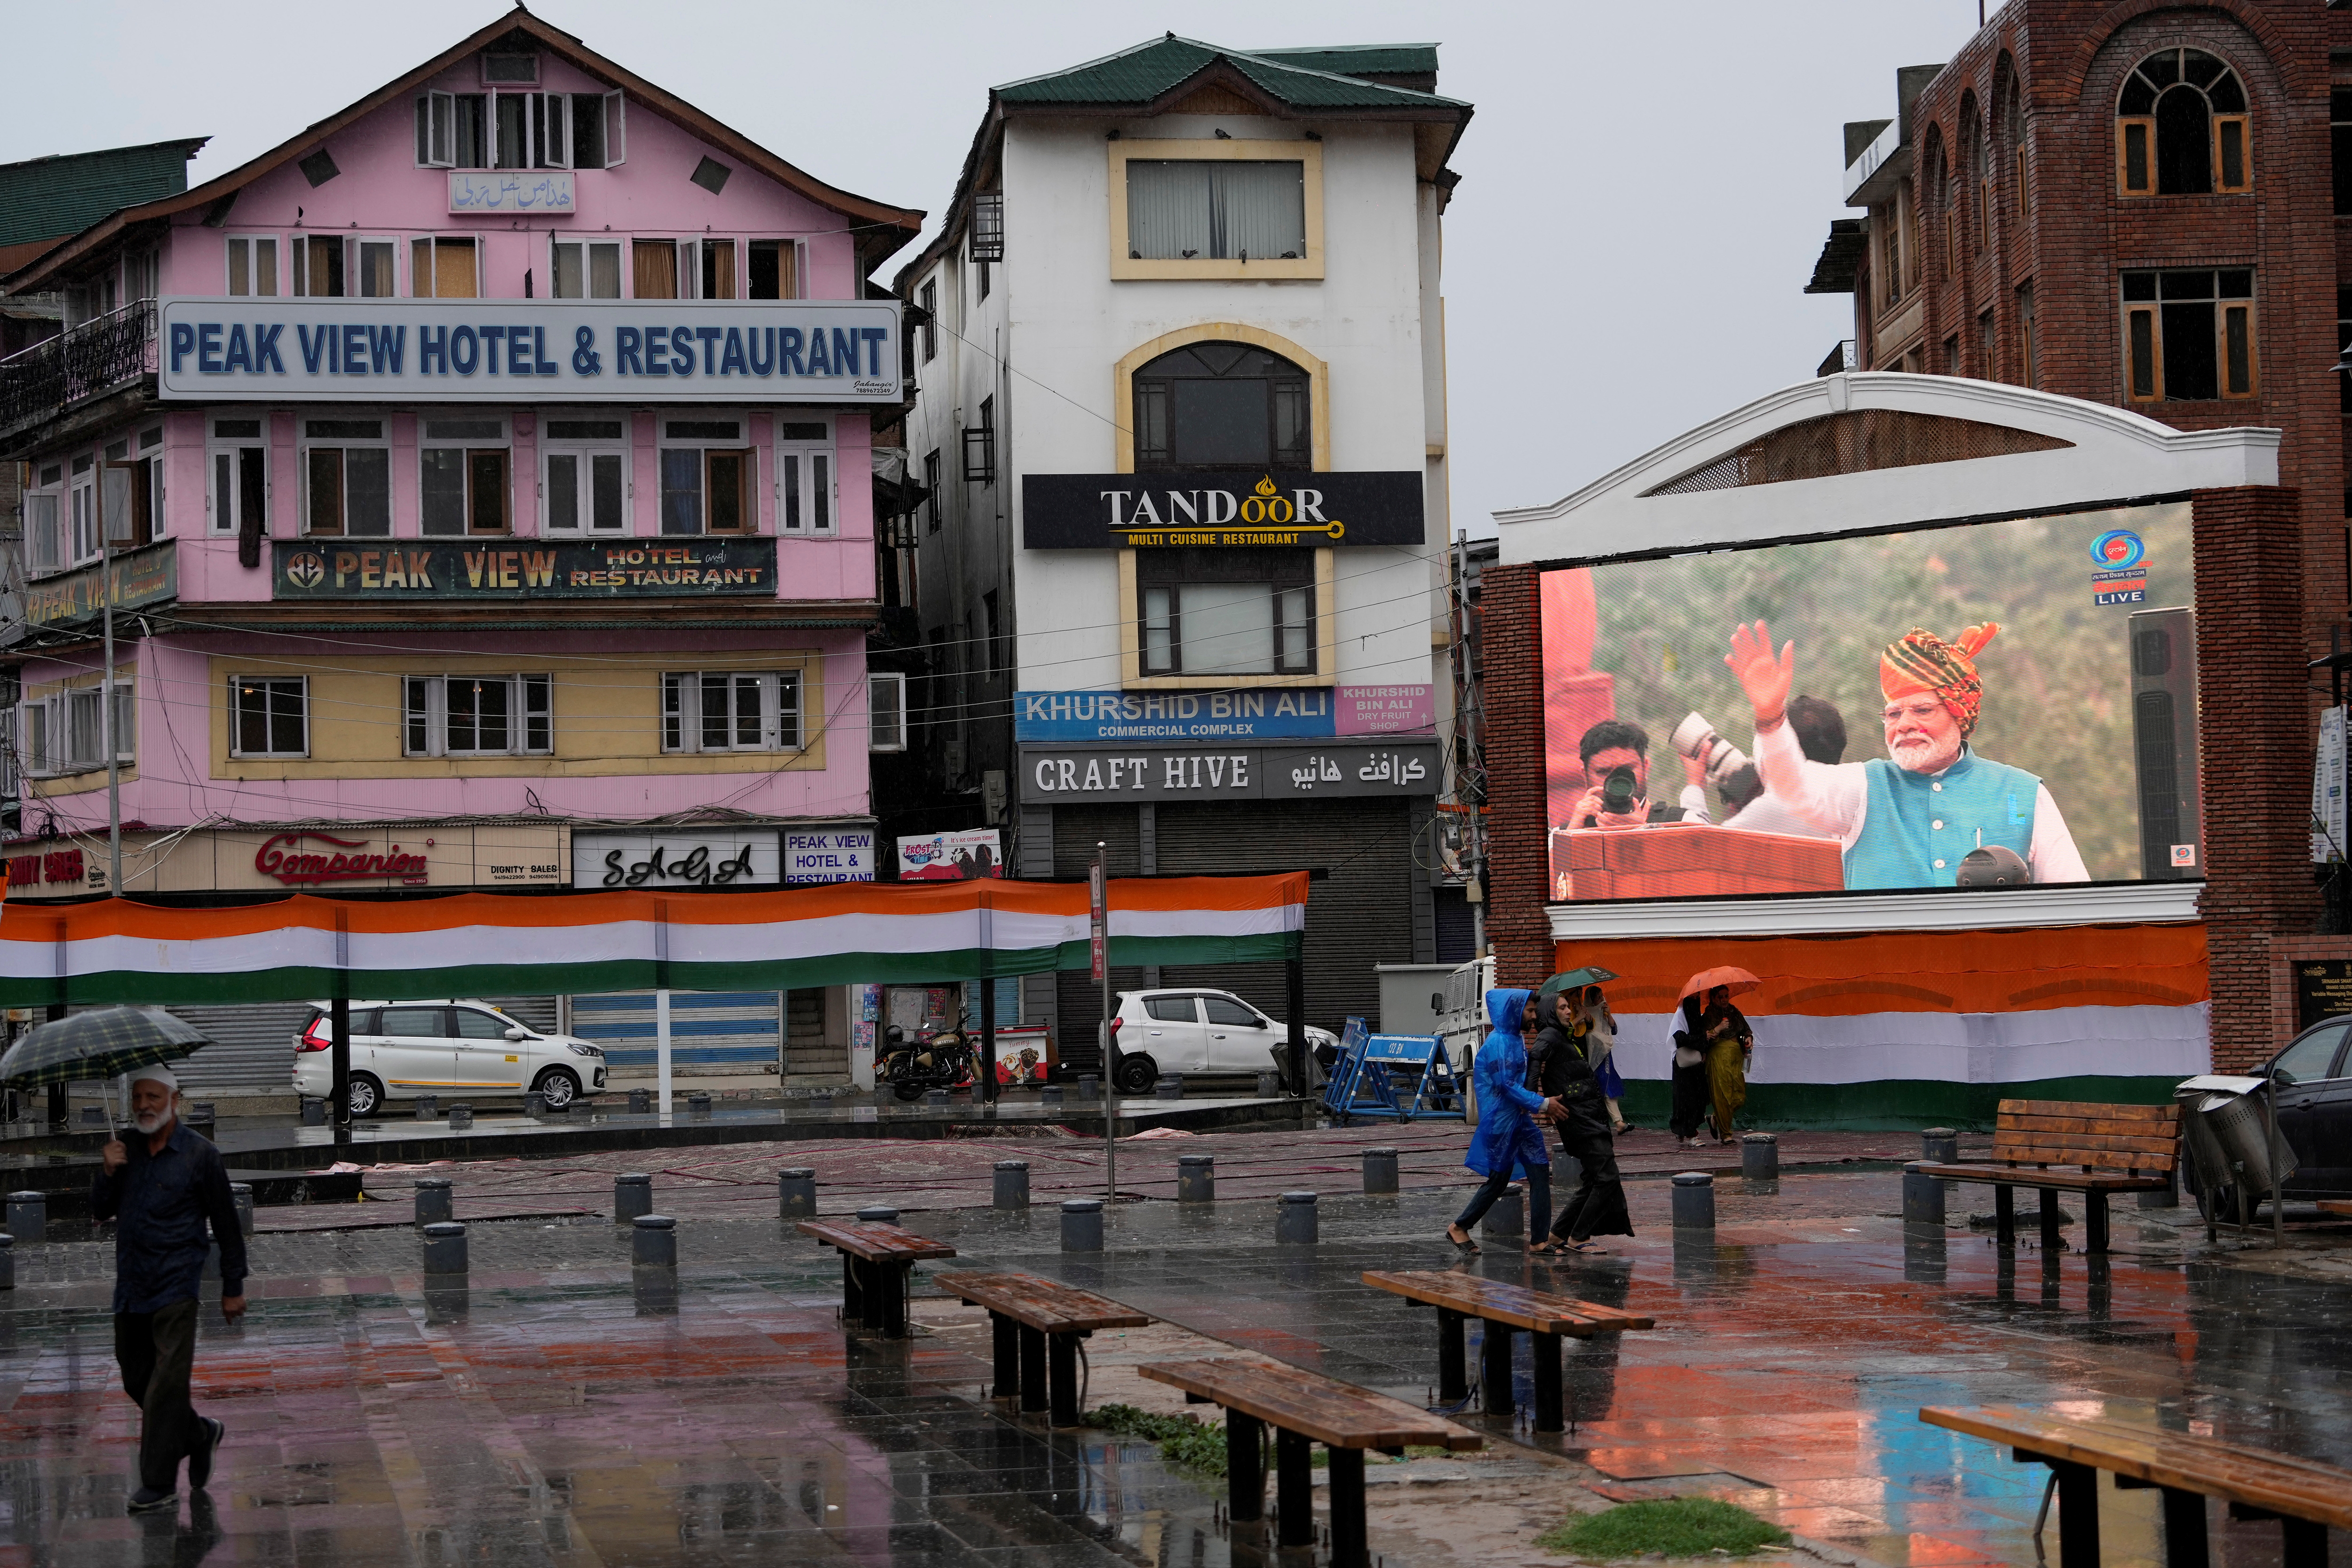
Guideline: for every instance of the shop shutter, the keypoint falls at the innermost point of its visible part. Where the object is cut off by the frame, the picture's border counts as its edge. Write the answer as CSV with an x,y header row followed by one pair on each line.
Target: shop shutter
x,y
532,1012
1077,998
723,1031
252,1048
1359,915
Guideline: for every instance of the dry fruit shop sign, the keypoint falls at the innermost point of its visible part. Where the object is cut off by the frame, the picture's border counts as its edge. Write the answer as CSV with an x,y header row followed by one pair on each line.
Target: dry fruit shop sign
x,y
1241,507
504,351
621,569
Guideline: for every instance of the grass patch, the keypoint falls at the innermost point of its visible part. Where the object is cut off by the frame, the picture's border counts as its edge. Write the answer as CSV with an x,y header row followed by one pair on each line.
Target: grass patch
x,y
1184,1440
1676,1527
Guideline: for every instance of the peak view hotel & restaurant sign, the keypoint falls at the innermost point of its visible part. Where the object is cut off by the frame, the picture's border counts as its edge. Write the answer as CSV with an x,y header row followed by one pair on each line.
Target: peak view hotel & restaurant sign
x,y
1237,509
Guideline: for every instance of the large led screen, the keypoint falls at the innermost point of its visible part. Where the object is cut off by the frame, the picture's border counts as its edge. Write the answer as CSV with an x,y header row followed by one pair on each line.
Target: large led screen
x,y
1992,704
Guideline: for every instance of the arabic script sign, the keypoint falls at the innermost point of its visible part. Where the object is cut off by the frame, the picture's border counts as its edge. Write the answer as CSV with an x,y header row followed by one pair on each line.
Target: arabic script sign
x,y
1228,773
512,191
536,569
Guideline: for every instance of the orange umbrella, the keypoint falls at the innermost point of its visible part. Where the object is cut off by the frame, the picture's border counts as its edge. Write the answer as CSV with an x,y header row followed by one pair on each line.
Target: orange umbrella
x,y
1739,980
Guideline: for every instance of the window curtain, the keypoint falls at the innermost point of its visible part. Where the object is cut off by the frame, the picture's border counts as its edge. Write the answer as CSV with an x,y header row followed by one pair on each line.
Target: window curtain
x,y
1214,210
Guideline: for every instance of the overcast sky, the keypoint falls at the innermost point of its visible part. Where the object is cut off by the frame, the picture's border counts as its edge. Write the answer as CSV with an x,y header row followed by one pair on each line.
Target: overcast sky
x,y
1645,188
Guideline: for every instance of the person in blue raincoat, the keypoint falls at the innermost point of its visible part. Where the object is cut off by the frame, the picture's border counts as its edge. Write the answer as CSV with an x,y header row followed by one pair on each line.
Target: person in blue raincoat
x,y
1509,1137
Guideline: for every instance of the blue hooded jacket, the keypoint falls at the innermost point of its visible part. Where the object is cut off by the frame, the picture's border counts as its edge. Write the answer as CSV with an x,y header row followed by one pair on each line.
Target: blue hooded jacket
x,y
1507,1135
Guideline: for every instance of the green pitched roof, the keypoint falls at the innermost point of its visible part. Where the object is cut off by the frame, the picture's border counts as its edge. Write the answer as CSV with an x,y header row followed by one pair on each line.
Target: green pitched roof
x,y
1361,59
48,198
1145,72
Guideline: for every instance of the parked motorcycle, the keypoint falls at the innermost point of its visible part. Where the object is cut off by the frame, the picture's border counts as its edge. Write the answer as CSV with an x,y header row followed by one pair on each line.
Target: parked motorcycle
x,y
943,1061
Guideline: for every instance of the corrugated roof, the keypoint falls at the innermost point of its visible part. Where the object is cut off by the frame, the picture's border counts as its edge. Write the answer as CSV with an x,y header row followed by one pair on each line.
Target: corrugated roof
x,y
1361,59
1142,74
48,198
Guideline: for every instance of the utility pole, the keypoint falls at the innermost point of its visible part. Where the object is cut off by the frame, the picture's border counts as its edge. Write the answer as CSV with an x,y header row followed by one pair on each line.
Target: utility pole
x,y
1098,899
106,710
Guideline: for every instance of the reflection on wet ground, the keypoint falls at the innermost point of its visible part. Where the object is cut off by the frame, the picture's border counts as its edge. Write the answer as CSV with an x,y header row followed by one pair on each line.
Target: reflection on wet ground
x,y
554,1410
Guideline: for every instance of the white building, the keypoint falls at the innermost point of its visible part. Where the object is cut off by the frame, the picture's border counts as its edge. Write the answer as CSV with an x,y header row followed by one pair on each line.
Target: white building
x,y
1181,420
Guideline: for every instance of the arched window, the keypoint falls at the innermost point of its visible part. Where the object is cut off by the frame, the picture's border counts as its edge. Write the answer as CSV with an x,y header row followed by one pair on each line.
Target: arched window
x,y
2013,133
1222,405
2182,128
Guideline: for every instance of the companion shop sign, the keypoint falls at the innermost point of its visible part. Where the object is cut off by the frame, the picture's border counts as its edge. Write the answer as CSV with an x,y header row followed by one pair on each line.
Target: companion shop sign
x,y
396,569
1242,509
505,350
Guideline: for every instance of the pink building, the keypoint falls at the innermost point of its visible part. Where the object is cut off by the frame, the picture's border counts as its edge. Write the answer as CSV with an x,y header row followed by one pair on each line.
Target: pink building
x,y
488,464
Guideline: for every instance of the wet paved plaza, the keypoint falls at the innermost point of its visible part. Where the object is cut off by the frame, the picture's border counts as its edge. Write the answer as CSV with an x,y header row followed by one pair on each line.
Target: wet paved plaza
x,y
557,1412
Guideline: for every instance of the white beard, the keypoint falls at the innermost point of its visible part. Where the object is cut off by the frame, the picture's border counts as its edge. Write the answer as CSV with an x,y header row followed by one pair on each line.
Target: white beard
x,y
1918,754
150,1121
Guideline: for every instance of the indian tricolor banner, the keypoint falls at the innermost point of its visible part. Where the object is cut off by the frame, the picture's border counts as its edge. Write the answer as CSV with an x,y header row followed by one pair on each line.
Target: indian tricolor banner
x,y
1920,1027
303,948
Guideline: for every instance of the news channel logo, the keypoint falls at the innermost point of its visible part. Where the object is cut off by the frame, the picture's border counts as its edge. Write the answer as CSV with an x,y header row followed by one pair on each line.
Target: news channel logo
x,y
2117,549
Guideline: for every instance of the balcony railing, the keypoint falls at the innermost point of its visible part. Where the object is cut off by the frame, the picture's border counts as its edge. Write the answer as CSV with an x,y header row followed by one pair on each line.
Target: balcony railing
x,y
80,363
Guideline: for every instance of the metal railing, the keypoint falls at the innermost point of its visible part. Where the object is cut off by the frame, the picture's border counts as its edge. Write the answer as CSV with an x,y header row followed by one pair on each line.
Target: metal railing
x,y
82,362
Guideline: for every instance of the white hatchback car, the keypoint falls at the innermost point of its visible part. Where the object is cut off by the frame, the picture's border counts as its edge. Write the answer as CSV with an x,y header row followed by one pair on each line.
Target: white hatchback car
x,y
1186,1029
402,1049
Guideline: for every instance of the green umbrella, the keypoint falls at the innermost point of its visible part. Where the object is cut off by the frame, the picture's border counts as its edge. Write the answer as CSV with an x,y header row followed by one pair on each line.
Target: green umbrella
x,y
1570,980
99,1045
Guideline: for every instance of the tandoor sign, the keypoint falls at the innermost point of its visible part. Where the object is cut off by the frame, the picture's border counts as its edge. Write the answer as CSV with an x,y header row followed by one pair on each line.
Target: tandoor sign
x,y
136,577
1235,509
541,569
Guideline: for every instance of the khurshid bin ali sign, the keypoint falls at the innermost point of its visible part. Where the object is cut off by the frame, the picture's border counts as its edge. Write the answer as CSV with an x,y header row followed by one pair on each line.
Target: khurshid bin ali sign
x,y
1242,509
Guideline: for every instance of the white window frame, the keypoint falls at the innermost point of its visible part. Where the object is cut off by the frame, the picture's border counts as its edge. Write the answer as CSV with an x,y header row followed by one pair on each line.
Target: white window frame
x,y
47,551
230,519
586,245
742,442
502,441
301,684
543,155
681,712
811,467
885,711
57,710
436,122
414,283
435,711
252,243
299,269
586,449
37,757
304,442
355,256
81,503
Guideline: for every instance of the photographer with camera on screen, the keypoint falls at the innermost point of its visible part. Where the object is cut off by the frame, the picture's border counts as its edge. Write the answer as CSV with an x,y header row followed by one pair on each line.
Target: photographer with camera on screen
x,y
1616,753
1709,758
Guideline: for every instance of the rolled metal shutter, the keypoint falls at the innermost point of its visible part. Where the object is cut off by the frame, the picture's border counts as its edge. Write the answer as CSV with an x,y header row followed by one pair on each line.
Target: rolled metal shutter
x,y
738,1031
1359,915
533,1012
252,1048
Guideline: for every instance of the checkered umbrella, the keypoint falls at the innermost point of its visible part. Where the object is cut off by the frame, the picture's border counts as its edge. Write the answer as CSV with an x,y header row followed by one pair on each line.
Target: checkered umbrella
x,y
98,1045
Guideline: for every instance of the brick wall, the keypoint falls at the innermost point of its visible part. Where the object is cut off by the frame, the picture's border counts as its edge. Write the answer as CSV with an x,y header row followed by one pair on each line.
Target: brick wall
x,y
2254,744
1512,691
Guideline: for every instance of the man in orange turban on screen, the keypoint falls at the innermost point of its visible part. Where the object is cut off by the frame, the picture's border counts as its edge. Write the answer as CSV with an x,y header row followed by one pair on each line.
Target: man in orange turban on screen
x,y
1908,819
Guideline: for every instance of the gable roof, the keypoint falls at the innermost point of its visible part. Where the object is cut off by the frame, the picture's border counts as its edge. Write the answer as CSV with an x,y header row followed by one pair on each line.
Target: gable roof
x,y
882,228
1298,79
46,201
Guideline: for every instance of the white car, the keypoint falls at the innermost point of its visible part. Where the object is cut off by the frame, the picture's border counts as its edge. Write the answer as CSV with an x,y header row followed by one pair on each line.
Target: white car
x,y
1186,1029
402,1049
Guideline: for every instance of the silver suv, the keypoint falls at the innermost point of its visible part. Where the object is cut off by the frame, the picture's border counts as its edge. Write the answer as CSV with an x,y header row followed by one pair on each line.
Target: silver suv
x,y
1188,1030
402,1049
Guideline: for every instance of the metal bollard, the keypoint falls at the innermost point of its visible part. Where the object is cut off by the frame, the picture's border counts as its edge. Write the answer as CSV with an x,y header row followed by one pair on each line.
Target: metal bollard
x,y
821,1101
241,1194
444,1249
1693,1201
534,1103
878,1214
1923,1197
1380,1170
1089,1087
1082,1225
1507,1220
7,1262
429,1107
461,1116
435,1203
1013,1183
632,1195
1294,1219
1050,1095
314,1111
1940,1145
641,1101
28,1216
698,1104
1760,1157
1196,1178
654,1244
1269,1084
559,1109
796,1193
1170,1087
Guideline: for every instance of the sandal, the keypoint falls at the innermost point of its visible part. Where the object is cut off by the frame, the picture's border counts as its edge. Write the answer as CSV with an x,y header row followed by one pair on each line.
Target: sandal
x,y
1546,1246
1469,1248
1580,1247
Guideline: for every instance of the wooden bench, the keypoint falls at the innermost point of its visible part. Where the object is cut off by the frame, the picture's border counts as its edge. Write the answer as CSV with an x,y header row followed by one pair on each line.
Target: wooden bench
x,y
2305,1498
1305,1407
1038,1324
2113,1148
874,1262
1502,1308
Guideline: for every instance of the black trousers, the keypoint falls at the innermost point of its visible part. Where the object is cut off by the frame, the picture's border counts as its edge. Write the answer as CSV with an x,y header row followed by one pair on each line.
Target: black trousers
x,y
1598,1206
1497,1183
157,1354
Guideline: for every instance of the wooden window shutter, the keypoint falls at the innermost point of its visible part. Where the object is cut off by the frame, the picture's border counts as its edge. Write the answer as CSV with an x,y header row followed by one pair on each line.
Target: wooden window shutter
x,y
2135,156
2237,350
2144,355
2233,164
